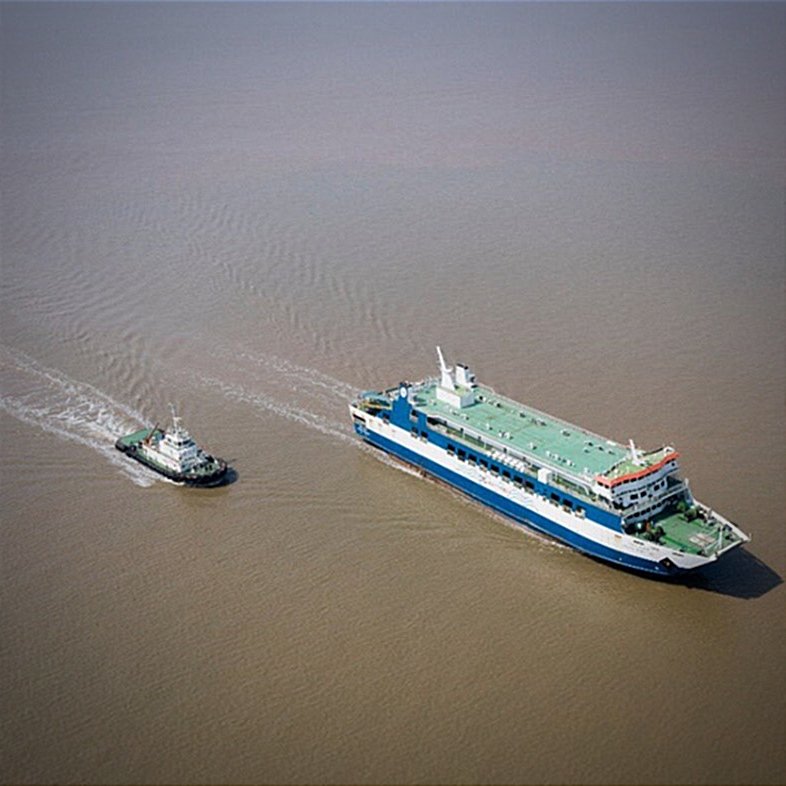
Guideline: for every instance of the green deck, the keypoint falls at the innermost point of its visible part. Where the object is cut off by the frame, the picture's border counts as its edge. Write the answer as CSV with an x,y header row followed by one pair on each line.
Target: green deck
x,y
541,437
135,438
693,536
627,467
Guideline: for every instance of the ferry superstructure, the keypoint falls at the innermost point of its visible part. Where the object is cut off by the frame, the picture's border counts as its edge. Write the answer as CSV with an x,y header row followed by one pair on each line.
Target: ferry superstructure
x,y
616,503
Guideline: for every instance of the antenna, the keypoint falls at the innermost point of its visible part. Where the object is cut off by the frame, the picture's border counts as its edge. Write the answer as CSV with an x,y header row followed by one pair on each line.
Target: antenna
x,y
175,418
447,379
635,456
721,527
149,438
442,365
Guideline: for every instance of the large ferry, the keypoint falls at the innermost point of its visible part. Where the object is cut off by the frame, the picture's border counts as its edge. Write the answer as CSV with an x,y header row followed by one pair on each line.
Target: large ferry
x,y
618,503
175,455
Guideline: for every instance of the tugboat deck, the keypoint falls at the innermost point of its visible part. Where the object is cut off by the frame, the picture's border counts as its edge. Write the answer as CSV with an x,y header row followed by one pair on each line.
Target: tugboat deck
x,y
136,437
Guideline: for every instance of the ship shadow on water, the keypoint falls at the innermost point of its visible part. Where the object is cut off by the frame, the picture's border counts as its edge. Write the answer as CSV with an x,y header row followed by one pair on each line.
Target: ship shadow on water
x,y
739,575
230,478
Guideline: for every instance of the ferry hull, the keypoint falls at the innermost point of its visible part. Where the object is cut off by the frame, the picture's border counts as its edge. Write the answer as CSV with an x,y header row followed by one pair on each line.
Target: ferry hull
x,y
625,506
521,514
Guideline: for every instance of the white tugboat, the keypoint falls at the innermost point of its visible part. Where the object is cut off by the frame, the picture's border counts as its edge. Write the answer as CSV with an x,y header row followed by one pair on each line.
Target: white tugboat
x,y
174,454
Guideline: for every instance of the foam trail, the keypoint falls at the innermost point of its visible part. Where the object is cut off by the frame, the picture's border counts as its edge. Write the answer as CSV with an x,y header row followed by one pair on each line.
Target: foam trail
x,y
322,389
301,378
261,400
48,399
324,425
308,383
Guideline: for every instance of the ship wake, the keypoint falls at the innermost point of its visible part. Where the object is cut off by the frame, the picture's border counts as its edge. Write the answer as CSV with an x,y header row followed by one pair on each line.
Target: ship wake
x,y
264,401
318,401
48,399
271,384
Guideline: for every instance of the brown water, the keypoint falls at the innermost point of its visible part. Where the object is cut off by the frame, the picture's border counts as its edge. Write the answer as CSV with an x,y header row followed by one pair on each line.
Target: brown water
x,y
253,211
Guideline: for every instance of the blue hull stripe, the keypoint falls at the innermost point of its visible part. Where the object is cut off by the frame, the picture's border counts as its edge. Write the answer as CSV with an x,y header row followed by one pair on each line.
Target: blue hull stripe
x,y
514,510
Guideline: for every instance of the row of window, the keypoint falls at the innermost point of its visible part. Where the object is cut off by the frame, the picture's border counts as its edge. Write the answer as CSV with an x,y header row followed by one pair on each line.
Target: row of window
x,y
463,455
471,458
645,492
517,480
